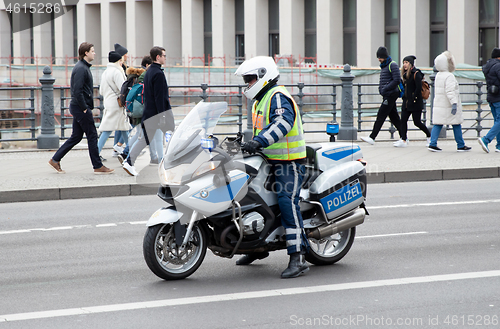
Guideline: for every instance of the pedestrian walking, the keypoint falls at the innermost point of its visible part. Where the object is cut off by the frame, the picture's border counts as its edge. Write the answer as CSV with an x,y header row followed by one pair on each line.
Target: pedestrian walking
x,y
123,53
157,117
413,104
388,88
114,116
491,72
119,141
447,109
80,107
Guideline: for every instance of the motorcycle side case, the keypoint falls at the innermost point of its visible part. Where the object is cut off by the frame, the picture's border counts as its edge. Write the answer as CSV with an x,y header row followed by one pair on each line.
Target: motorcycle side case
x,y
340,189
328,155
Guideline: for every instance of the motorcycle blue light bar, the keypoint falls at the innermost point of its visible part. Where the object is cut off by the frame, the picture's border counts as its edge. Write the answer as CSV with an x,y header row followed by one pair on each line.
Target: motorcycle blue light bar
x,y
332,128
168,135
207,144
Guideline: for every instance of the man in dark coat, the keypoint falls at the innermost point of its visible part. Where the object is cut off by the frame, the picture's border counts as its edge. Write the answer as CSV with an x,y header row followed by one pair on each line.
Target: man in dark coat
x,y
157,117
80,107
491,72
388,88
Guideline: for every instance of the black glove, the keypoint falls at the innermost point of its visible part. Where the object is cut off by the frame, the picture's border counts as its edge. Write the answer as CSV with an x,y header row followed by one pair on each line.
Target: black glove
x,y
251,147
454,108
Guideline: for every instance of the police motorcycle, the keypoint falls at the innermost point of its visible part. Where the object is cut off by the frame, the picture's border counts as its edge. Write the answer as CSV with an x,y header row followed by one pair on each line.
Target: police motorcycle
x,y
221,199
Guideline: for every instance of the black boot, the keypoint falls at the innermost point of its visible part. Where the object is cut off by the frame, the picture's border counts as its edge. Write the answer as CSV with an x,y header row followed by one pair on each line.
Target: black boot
x,y
296,266
248,259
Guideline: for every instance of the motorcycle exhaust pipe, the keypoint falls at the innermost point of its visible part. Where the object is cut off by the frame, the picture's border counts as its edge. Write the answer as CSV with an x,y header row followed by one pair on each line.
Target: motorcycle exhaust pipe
x,y
356,218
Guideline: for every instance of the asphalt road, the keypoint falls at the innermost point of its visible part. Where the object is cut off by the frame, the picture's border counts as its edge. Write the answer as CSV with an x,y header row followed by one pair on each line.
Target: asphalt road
x,y
428,256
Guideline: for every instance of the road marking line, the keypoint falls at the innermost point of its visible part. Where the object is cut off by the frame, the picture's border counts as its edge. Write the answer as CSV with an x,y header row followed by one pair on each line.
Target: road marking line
x,y
139,223
106,225
246,295
388,235
60,228
15,231
453,203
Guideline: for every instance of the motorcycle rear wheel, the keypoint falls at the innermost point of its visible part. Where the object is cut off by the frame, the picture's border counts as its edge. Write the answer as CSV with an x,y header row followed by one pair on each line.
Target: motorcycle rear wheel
x,y
331,249
165,259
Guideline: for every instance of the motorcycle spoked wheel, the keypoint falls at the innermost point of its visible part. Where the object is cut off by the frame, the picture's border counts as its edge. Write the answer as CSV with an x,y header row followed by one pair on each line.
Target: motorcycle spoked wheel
x,y
331,249
163,256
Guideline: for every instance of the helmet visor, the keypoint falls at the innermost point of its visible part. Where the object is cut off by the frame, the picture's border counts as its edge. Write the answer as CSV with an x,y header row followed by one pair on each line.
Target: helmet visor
x,y
249,78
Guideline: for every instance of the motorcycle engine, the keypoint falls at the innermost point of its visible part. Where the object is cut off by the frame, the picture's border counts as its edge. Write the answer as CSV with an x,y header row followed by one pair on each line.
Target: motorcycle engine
x,y
253,223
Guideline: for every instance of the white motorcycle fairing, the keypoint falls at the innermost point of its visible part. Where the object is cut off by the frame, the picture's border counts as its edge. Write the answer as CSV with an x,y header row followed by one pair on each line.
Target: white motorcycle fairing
x,y
165,215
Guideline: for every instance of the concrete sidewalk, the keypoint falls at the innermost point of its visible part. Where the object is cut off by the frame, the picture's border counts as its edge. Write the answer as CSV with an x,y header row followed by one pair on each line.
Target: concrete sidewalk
x,y
26,176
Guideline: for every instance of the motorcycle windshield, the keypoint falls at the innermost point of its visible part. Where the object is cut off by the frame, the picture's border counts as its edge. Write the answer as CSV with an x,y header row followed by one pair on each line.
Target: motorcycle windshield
x,y
198,124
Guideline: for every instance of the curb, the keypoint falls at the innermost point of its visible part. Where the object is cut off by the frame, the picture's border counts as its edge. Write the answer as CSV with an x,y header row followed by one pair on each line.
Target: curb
x,y
103,191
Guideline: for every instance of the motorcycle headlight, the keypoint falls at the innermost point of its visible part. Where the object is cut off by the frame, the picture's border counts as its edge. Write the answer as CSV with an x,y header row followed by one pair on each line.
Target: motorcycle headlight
x,y
172,176
206,167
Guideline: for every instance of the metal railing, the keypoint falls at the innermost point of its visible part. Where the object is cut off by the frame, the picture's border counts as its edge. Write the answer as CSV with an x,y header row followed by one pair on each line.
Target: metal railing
x,y
317,103
14,118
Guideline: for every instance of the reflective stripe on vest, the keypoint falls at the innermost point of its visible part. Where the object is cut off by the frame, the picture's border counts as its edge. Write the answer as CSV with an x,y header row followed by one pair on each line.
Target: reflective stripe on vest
x,y
289,147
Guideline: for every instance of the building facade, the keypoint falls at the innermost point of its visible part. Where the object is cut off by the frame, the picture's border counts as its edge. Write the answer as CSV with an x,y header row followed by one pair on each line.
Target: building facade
x,y
225,32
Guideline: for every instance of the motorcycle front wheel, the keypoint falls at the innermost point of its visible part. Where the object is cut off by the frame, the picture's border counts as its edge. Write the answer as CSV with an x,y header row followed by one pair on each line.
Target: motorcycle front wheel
x,y
166,259
331,249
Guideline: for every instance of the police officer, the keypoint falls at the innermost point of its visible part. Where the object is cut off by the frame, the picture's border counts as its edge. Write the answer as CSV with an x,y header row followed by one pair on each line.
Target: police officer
x,y
278,130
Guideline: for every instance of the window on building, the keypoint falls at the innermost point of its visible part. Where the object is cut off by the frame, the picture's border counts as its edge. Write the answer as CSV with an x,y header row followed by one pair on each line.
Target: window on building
x,y
207,30
310,30
53,37
75,33
438,37
274,27
349,23
239,9
392,28
488,29
32,40
11,38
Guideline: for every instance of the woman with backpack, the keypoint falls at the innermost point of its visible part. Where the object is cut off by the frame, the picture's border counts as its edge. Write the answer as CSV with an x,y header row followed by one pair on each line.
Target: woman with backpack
x,y
114,116
413,103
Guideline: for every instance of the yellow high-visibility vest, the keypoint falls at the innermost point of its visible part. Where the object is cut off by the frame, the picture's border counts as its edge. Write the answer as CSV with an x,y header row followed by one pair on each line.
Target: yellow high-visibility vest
x,y
292,146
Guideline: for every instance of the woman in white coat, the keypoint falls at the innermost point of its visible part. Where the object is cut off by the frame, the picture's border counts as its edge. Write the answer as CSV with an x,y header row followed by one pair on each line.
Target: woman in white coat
x,y
447,109
114,117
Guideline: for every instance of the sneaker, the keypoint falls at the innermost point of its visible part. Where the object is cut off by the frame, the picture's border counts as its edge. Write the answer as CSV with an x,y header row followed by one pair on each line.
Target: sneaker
x,y
119,149
401,143
103,171
464,149
483,144
368,139
400,140
129,169
497,150
434,149
428,142
102,159
122,157
407,141
56,166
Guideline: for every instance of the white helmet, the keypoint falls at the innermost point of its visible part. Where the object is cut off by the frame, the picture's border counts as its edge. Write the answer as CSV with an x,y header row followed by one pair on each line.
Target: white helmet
x,y
263,68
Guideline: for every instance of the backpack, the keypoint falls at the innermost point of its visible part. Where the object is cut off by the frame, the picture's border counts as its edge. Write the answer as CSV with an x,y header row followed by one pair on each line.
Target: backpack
x,y
401,86
426,90
126,86
134,103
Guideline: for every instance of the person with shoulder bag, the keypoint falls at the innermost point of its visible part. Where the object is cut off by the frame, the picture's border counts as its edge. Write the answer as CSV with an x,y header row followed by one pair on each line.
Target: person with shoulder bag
x,y
413,103
491,72
114,116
